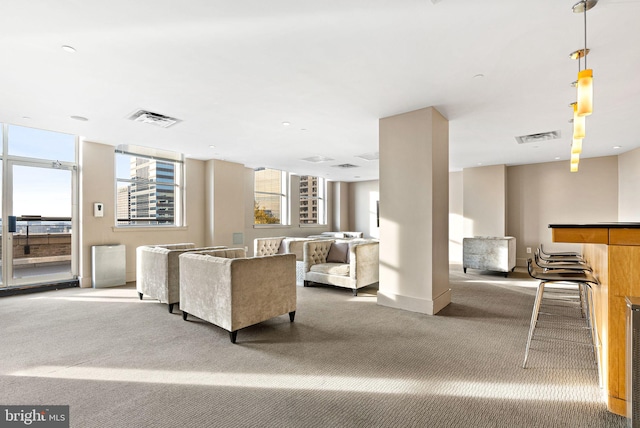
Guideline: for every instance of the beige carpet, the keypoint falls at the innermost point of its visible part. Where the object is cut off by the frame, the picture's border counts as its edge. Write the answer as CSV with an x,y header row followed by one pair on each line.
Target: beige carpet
x,y
344,362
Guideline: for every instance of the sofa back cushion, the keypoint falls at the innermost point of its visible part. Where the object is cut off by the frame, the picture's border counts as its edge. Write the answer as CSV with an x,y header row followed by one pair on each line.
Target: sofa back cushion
x,y
338,253
268,246
226,253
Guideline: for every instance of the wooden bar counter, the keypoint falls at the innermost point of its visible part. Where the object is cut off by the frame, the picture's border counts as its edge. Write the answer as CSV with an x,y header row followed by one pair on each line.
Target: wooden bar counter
x,y
613,250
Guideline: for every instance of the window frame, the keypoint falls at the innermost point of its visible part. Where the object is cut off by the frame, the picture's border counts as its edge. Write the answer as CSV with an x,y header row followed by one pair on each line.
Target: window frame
x,y
178,204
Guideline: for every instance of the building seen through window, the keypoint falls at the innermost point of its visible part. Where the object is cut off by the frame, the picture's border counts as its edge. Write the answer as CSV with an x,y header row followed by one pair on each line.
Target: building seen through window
x,y
148,190
312,200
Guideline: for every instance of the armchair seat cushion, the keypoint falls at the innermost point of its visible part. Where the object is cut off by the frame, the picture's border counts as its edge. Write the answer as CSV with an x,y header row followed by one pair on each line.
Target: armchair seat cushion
x,y
331,268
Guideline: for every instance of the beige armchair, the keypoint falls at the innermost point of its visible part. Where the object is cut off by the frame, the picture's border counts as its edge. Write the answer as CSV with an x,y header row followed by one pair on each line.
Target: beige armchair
x,y
282,245
234,293
350,264
158,271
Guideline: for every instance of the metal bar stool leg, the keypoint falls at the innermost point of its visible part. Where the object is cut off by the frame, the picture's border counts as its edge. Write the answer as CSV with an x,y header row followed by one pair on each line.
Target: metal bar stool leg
x,y
534,320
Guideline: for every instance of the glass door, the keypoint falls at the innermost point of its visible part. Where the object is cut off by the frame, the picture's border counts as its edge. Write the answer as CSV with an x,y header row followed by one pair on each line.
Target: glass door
x,y
41,200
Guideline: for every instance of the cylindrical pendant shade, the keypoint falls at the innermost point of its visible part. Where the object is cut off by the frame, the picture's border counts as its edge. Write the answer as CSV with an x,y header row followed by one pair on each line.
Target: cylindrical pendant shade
x,y
585,92
575,158
579,124
576,147
574,167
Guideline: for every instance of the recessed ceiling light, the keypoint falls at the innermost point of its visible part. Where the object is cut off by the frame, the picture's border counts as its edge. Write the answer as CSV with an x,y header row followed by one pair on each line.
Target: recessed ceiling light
x,y
80,118
479,163
211,146
557,158
478,76
617,147
303,129
26,117
68,48
286,123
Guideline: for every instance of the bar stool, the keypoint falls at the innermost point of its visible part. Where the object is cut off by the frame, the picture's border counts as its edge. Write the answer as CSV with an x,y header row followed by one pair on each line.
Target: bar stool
x,y
556,264
558,253
560,258
582,279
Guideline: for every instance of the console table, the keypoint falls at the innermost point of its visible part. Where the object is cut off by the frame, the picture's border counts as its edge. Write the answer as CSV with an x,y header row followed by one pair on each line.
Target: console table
x,y
613,251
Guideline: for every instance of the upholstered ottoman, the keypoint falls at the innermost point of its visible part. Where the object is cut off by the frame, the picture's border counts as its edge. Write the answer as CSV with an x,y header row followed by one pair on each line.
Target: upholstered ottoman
x,y
489,253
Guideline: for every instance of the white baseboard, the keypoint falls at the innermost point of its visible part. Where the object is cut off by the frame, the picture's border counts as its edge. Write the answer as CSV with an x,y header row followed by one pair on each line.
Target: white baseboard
x,y
415,304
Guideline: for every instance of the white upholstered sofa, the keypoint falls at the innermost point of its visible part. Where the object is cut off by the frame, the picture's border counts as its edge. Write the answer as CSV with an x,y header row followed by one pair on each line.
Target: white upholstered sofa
x,y
158,271
351,264
226,289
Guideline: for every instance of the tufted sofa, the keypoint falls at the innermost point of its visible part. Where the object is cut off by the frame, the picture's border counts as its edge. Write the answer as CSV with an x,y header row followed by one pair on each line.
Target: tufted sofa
x,y
158,273
351,264
231,291
282,245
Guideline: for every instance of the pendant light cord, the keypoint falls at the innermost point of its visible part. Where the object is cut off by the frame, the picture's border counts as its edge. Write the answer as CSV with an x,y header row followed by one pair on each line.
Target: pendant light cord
x,y
585,34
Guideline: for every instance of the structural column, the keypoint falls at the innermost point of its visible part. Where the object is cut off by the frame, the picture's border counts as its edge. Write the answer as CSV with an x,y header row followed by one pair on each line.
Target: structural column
x,y
414,211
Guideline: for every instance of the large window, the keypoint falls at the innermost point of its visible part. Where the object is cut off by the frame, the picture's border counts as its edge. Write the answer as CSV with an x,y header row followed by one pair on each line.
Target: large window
x,y
312,200
148,187
270,196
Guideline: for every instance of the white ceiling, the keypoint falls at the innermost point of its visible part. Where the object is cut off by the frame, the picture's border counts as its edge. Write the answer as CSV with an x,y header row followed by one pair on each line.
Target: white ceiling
x,y
233,71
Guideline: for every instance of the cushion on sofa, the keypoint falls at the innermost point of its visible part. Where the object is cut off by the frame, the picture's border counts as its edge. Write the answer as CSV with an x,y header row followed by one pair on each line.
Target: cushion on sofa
x,y
331,268
338,253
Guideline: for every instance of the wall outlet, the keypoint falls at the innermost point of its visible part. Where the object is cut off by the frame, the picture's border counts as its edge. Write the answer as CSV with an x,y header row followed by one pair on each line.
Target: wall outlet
x,y
528,250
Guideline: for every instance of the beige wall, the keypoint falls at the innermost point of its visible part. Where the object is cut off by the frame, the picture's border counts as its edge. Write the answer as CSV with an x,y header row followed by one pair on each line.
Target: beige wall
x,y
414,208
225,203
341,207
97,184
629,186
544,193
484,207
363,198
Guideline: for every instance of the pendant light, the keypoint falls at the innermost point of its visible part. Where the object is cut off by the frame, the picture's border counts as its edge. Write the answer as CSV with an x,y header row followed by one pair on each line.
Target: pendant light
x,y
579,123
576,147
585,76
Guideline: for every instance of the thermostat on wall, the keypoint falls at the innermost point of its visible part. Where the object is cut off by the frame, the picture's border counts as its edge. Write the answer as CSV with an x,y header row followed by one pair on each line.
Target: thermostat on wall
x,y
98,209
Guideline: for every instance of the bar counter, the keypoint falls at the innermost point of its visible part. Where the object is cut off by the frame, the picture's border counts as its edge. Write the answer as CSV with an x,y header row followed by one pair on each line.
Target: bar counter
x,y
613,251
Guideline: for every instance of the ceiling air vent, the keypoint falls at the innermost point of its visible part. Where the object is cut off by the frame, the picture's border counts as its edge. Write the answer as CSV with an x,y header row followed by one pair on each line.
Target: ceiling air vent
x,y
537,138
345,166
316,159
369,156
157,119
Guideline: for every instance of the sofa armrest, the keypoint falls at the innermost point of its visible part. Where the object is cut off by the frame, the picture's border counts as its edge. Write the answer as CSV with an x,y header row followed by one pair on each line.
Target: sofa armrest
x,y
364,262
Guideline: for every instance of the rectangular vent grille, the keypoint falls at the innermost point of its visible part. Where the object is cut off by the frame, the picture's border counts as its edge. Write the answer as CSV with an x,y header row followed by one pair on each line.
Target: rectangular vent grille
x,y
345,166
369,156
537,138
157,119
316,159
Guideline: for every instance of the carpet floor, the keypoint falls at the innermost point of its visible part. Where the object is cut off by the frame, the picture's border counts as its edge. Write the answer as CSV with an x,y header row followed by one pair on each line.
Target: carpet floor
x,y
345,362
